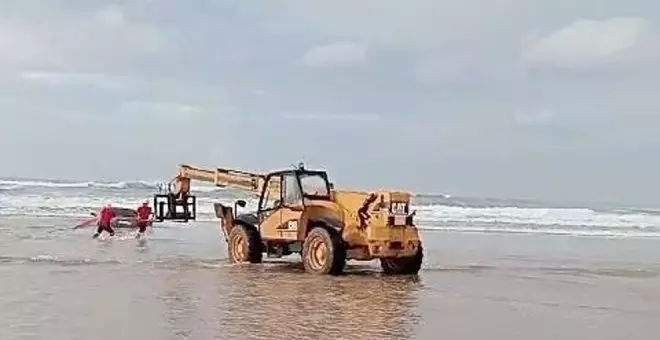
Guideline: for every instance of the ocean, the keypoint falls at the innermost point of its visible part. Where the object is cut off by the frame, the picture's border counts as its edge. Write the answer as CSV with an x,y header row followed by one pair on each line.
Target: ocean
x,y
44,198
495,268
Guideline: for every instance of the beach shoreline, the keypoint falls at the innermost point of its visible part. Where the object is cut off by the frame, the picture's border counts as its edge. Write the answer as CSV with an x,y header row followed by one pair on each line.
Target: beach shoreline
x,y
60,283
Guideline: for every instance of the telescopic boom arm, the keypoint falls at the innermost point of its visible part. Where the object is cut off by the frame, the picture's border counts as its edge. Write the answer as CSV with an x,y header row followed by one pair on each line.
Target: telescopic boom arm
x,y
179,195
220,177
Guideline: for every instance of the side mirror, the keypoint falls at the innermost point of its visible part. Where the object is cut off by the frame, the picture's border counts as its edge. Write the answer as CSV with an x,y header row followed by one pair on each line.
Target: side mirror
x,y
332,186
241,203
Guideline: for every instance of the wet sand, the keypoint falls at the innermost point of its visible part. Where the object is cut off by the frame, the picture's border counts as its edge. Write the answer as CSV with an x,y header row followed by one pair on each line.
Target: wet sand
x,y
59,284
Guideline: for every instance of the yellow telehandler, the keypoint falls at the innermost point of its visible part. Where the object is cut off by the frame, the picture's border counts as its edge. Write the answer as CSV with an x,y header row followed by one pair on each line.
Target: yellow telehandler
x,y
299,211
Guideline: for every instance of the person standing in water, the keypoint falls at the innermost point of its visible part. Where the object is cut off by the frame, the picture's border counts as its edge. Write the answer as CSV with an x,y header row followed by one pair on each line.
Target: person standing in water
x,y
104,219
143,214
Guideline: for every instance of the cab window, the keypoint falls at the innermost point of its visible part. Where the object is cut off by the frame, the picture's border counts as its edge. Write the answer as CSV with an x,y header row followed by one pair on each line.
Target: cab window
x,y
291,191
271,199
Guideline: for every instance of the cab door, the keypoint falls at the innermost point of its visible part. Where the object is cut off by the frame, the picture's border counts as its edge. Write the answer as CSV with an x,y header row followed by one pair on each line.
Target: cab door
x,y
269,213
291,209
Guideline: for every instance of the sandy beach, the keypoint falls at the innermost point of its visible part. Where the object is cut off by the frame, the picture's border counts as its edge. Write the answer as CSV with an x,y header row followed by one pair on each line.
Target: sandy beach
x,y
60,284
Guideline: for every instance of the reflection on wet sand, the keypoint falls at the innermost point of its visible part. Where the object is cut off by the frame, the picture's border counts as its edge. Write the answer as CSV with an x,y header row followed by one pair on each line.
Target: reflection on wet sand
x,y
279,301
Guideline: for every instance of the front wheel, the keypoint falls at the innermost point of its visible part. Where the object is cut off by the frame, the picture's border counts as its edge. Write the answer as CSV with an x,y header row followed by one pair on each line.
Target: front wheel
x,y
244,245
324,252
405,265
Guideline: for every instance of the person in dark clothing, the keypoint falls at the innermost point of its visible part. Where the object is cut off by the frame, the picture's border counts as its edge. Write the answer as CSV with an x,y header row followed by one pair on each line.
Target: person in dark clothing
x,y
104,219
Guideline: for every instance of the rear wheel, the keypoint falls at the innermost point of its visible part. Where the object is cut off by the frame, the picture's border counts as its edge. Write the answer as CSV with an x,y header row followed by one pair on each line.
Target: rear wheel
x,y
244,245
405,265
324,252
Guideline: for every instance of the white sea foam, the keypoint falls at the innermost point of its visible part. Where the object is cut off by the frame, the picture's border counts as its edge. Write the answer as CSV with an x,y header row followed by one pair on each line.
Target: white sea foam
x,y
9,185
578,217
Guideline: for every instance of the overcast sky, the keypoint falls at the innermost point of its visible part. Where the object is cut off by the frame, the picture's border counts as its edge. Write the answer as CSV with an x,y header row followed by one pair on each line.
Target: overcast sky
x,y
548,98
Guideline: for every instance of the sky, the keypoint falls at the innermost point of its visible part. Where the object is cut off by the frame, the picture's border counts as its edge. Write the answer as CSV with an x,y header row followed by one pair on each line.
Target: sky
x,y
546,99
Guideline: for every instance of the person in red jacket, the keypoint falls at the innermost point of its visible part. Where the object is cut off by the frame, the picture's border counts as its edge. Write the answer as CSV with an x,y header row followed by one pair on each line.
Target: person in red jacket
x,y
143,214
104,219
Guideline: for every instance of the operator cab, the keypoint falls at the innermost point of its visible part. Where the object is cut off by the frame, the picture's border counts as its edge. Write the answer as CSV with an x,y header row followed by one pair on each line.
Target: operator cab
x,y
297,187
302,183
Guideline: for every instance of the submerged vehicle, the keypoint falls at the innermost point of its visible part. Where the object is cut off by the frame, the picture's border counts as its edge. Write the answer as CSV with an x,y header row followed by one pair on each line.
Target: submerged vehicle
x,y
124,218
299,211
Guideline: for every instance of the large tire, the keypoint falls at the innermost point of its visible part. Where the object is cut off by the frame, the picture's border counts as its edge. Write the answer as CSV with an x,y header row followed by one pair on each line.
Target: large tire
x,y
244,245
404,265
324,252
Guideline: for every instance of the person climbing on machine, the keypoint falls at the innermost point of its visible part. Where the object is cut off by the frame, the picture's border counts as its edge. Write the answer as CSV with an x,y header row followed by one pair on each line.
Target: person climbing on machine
x,y
104,219
143,215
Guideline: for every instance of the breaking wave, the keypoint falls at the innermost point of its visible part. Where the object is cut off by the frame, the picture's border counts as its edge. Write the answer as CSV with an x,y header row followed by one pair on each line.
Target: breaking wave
x,y
434,212
7,185
579,217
